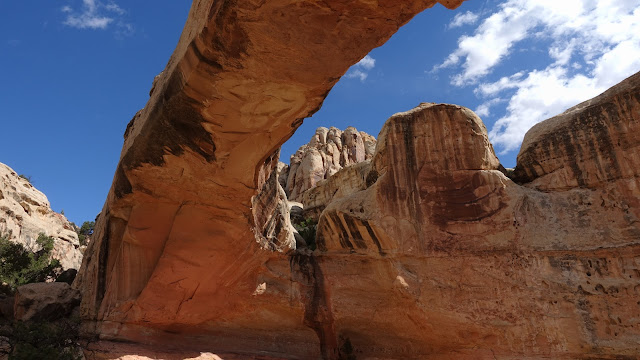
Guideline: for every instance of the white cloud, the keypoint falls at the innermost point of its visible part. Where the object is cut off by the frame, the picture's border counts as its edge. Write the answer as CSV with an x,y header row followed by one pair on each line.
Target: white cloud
x,y
592,46
361,68
540,95
93,15
462,19
114,8
484,109
367,62
357,74
506,82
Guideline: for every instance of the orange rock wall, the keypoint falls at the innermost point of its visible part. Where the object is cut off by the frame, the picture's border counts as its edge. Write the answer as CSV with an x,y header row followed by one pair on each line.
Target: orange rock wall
x,y
176,254
440,255
445,257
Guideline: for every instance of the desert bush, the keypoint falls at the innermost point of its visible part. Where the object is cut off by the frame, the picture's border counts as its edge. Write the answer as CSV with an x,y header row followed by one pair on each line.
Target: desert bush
x,y
20,265
307,229
84,231
44,340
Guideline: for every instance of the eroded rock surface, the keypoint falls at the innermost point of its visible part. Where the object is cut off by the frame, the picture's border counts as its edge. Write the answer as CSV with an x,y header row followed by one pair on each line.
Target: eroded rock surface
x,y
590,145
348,180
434,253
328,151
174,258
454,260
25,212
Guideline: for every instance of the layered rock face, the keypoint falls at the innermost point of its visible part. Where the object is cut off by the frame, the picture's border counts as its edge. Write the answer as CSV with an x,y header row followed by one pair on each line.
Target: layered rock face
x,y
453,260
328,151
184,243
25,212
588,146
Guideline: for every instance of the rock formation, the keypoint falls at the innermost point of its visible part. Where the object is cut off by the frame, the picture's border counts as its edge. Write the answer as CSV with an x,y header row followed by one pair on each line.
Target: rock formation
x,y
345,182
431,251
25,213
328,151
454,260
588,146
45,301
176,252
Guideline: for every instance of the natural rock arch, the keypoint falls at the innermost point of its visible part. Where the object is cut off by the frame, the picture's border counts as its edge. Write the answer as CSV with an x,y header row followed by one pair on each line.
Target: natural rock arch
x,y
431,251
174,246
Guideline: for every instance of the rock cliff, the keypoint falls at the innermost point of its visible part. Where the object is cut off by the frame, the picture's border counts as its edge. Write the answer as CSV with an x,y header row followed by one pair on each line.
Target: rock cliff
x,y
457,261
328,151
429,252
25,213
183,248
588,146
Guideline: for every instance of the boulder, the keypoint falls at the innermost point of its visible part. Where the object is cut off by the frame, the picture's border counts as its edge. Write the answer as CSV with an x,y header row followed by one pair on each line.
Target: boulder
x,y
45,301
67,276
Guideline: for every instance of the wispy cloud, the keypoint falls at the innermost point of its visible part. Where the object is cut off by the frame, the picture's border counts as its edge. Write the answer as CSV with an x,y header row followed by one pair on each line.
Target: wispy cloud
x,y
115,8
484,109
592,46
361,69
467,18
93,14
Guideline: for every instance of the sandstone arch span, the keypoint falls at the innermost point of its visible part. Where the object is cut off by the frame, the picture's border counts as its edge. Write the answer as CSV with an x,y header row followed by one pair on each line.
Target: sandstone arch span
x,y
175,249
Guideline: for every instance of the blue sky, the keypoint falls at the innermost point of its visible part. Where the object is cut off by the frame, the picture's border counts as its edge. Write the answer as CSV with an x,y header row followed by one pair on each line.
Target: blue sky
x,y
74,72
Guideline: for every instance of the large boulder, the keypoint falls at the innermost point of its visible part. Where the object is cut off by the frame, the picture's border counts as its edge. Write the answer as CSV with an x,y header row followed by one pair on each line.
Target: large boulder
x,y
25,212
45,301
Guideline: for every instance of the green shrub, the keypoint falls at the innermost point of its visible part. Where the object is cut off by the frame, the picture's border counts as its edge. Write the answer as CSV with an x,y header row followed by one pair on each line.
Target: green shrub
x,y
20,266
84,231
43,340
307,229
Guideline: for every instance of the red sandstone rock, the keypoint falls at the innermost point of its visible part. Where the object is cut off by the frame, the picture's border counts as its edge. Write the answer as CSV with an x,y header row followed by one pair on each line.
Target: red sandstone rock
x,y
438,255
590,145
453,260
174,258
